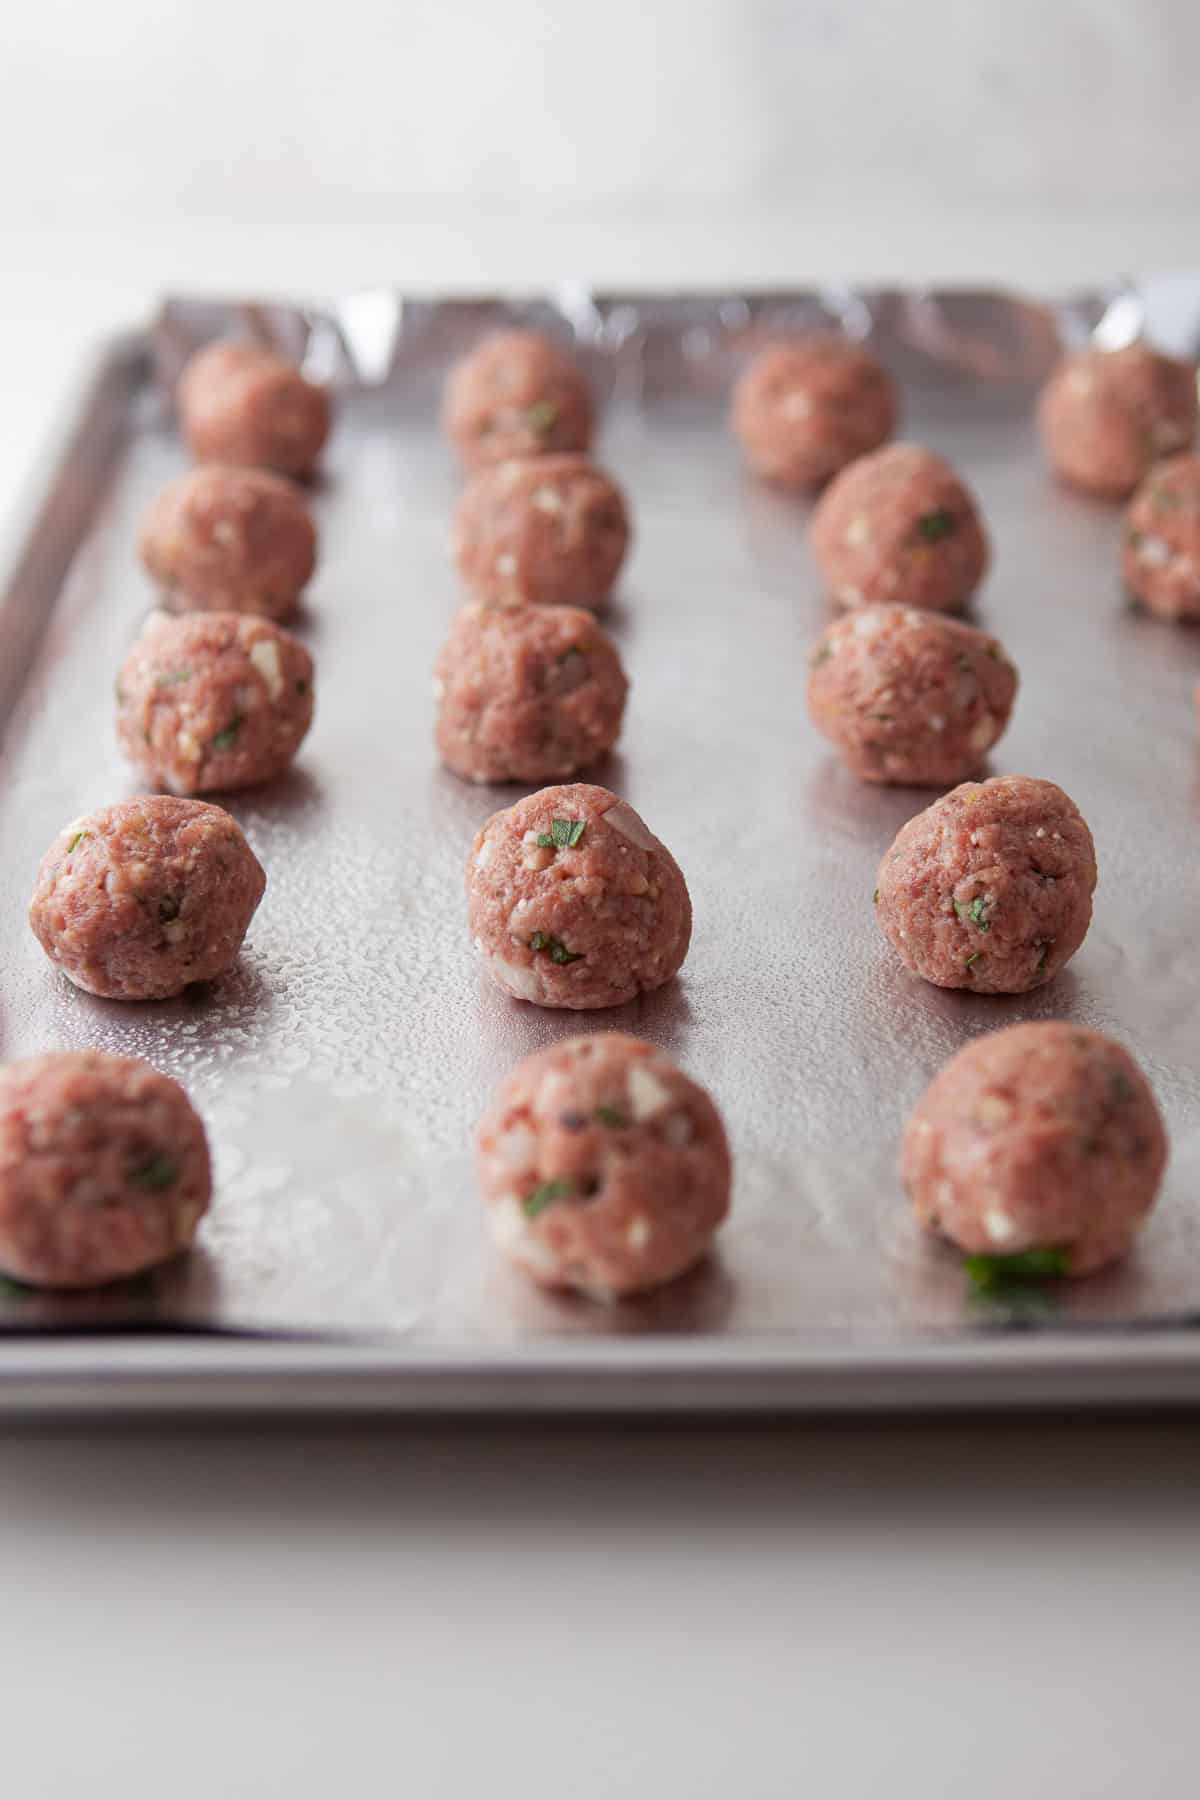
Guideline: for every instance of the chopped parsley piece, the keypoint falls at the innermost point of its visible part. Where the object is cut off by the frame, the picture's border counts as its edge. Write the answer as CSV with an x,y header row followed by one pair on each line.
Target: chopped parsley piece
x,y
168,909
156,1173
821,655
173,679
973,958
545,1196
1043,958
964,662
563,834
993,650
875,898
554,948
225,740
611,1115
933,526
987,1272
1121,1090
76,841
975,911
881,718
542,417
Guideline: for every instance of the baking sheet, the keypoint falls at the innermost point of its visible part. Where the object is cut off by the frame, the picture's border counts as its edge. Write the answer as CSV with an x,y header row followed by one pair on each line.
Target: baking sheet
x,y
341,1068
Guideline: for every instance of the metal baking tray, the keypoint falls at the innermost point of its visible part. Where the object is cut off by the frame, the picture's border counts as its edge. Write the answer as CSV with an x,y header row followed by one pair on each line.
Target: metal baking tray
x,y
342,1067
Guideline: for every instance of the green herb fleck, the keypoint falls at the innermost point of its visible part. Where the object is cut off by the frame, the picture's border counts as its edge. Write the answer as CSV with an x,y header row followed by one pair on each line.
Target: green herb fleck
x,y
77,840
875,898
12,1289
881,718
611,1115
174,678
156,1173
933,526
563,834
301,686
964,662
1121,1090
1043,958
225,740
555,948
973,958
821,654
542,418
975,911
993,650
119,691
168,909
545,1196
988,1272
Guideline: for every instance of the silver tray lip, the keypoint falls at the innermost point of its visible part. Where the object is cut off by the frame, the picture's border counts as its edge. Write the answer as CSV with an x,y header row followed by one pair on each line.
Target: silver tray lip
x,y
185,1376
97,1374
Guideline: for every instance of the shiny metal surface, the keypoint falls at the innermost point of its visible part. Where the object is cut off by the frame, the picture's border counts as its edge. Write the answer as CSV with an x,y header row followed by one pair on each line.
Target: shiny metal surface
x,y
342,1067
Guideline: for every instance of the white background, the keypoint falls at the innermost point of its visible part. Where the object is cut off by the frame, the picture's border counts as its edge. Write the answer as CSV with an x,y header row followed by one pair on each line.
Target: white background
x,y
934,1610
287,146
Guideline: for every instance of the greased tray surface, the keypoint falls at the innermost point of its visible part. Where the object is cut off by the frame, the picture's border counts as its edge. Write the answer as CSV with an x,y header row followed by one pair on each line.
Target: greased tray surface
x,y
342,1067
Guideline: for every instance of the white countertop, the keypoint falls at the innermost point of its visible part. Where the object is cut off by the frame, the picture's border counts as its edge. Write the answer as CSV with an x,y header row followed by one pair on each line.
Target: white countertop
x,y
934,1611
929,1610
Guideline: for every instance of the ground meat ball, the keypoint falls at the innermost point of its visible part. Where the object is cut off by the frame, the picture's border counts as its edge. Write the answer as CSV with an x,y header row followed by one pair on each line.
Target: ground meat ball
x,y
221,539
139,900
990,888
900,526
1107,415
1161,557
242,404
213,701
603,1167
573,902
527,693
805,409
1042,1137
548,530
104,1169
516,394
910,697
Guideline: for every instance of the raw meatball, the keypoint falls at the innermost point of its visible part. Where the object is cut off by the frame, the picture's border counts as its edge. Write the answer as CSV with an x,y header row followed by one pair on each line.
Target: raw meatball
x,y
1107,415
104,1169
242,404
805,409
1161,557
910,697
516,394
221,539
574,903
527,693
990,888
603,1167
546,529
139,900
900,526
1042,1137
213,701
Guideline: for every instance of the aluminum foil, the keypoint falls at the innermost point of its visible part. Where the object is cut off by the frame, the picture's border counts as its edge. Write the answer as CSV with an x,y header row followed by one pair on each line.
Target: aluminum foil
x,y
342,1066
